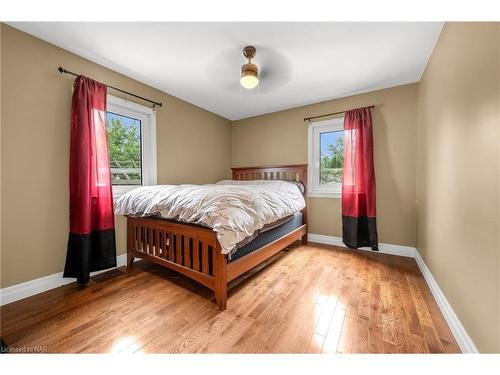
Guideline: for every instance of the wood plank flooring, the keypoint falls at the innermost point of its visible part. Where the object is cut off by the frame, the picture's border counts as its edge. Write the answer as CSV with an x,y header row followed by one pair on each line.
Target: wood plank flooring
x,y
306,299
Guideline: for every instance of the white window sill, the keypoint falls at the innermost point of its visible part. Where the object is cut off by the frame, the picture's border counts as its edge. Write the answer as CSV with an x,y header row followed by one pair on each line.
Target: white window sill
x,y
324,194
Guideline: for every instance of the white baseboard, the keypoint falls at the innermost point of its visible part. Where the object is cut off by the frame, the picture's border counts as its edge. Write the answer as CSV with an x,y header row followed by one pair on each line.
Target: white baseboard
x,y
384,248
29,288
461,336
463,339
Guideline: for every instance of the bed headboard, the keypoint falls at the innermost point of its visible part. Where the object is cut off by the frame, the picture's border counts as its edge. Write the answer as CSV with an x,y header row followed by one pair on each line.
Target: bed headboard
x,y
296,172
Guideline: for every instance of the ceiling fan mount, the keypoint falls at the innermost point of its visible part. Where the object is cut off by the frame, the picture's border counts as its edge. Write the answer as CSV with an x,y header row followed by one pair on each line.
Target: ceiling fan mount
x,y
249,52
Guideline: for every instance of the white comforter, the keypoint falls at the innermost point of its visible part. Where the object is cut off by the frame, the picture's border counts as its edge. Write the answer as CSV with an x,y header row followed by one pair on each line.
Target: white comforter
x,y
233,209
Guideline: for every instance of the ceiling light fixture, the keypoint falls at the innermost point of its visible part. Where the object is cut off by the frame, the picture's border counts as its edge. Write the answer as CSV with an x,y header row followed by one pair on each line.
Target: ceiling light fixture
x,y
249,72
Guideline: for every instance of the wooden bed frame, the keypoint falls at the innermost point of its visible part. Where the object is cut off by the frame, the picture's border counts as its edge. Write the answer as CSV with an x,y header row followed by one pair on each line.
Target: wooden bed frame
x,y
186,248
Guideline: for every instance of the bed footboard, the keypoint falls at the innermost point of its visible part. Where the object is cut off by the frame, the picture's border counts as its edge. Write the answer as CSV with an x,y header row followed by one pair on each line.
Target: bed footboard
x,y
195,252
190,250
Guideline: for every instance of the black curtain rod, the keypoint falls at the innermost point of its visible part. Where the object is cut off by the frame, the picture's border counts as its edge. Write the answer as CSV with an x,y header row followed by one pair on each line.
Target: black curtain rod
x,y
62,70
331,114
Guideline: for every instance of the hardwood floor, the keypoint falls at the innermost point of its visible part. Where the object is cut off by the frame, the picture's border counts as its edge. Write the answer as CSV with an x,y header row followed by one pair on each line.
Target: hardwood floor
x,y
314,299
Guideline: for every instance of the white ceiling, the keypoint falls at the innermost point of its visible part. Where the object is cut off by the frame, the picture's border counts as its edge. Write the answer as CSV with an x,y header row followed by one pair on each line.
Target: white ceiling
x,y
301,63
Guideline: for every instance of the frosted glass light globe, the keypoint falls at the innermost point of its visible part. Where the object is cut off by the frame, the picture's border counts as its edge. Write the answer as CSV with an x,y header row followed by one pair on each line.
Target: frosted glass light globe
x,y
249,81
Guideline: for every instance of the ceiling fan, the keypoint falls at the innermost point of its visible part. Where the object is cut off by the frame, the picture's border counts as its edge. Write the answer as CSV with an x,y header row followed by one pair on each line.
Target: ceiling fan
x,y
249,71
261,74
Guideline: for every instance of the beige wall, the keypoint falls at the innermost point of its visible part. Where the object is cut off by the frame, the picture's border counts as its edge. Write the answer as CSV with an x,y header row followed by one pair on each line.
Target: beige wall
x,y
193,147
458,175
281,138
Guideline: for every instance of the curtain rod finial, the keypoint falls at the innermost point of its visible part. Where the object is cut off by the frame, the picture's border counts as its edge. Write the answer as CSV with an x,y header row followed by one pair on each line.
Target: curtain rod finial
x,y
61,70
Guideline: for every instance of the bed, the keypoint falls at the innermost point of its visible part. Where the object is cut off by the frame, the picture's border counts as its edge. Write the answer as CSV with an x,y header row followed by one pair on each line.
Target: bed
x,y
195,251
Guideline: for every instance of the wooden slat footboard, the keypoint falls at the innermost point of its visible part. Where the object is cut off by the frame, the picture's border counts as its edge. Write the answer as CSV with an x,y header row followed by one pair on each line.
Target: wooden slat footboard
x,y
195,251
190,250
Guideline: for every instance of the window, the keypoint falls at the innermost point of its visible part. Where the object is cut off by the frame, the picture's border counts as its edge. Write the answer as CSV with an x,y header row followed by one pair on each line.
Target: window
x,y
326,158
132,145
125,154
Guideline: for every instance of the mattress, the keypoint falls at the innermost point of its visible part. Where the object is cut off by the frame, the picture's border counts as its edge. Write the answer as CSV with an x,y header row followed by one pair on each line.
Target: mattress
x,y
266,237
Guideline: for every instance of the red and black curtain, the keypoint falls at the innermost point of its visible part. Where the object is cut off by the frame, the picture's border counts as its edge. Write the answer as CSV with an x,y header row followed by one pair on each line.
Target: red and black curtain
x,y
359,224
91,244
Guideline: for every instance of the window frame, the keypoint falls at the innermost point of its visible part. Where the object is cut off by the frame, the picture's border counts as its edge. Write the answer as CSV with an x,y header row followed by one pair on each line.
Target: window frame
x,y
314,131
147,116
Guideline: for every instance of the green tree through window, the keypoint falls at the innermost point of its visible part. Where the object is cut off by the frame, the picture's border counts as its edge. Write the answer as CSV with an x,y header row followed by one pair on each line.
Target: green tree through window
x,y
124,141
331,157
